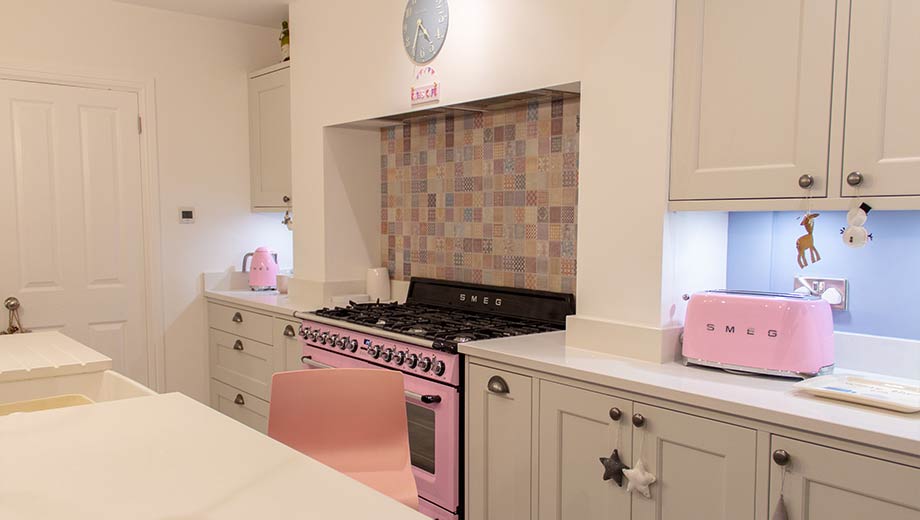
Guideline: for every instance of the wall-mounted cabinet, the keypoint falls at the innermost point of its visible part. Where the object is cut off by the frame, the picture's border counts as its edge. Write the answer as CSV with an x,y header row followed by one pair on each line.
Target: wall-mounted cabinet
x,y
779,101
270,138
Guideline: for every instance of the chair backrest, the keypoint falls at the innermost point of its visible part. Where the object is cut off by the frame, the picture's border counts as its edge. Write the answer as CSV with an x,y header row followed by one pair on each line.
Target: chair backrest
x,y
350,419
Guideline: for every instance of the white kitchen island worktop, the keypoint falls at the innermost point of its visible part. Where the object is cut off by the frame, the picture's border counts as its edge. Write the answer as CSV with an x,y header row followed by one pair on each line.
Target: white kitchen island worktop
x,y
770,400
167,457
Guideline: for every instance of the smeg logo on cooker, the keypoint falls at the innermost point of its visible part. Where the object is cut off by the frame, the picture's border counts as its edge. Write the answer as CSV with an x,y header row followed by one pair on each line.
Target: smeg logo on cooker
x,y
485,300
751,331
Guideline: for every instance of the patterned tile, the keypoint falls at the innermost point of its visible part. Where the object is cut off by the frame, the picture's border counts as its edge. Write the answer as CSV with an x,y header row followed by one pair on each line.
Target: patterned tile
x,y
483,198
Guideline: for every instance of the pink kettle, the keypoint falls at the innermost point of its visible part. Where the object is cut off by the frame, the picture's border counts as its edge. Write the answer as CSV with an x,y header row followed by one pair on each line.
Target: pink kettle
x,y
263,269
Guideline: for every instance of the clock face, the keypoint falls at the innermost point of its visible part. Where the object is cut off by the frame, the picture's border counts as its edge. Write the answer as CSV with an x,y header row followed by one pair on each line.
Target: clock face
x,y
425,28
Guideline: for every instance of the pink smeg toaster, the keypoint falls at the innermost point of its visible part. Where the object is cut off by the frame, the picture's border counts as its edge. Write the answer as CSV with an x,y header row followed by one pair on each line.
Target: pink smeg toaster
x,y
789,335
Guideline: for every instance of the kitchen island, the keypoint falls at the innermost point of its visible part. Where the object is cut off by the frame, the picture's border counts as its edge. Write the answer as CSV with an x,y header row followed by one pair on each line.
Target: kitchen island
x,y
167,457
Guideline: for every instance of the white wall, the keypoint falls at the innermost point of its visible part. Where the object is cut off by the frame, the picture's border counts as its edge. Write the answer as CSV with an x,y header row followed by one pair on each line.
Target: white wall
x,y
199,66
620,50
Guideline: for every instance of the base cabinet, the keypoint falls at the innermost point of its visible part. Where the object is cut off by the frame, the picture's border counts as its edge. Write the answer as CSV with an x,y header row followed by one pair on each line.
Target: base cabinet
x,y
824,483
576,428
500,458
705,469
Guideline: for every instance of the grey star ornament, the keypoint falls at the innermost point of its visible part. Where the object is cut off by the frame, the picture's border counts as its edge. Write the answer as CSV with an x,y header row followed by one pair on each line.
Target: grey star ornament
x,y
613,468
639,479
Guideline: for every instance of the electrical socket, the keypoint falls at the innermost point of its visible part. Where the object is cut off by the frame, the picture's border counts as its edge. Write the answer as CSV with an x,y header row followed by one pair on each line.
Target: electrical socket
x,y
818,286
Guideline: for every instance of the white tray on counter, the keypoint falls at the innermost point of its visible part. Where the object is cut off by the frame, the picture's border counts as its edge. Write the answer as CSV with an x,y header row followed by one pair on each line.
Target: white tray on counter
x,y
900,395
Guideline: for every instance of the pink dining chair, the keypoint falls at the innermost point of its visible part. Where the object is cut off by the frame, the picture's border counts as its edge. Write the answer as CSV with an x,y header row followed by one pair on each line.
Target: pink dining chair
x,y
353,420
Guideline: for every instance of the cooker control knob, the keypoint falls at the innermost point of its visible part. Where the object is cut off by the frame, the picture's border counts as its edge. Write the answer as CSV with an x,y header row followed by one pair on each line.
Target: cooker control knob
x,y
400,358
342,343
439,368
332,339
353,345
387,355
312,335
304,331
425,364
322,339
412,361
374,351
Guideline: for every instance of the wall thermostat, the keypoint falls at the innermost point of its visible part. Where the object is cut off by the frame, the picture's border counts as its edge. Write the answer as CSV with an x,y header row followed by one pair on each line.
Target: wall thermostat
x,y
187,215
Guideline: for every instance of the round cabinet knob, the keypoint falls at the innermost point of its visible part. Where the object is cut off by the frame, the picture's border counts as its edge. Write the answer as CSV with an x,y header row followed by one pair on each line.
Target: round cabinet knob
x,y
854,178
374,351
806,181
425,364
400,358
781,457
638,420
353,345
387,355
439,368
412,361
286,199
615,413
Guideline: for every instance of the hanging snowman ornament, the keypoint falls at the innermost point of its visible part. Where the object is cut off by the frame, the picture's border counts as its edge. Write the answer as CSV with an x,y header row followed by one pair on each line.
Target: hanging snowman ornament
x,y
855,235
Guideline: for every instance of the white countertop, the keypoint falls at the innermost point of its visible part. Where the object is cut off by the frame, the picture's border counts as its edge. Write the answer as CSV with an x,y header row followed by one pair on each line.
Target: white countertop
x,y
46,354
769,400
167,457
270,301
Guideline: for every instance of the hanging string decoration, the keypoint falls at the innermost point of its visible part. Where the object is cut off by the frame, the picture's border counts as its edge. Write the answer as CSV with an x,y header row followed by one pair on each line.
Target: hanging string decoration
x,y
806,242
855,234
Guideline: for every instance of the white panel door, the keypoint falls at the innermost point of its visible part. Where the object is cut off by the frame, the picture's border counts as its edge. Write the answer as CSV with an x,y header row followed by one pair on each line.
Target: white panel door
x,y
577,428
71,217
752,98
270,139
705,468
882,134
824,483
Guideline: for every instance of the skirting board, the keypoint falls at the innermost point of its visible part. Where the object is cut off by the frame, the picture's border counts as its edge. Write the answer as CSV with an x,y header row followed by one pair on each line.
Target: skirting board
x,y
658,345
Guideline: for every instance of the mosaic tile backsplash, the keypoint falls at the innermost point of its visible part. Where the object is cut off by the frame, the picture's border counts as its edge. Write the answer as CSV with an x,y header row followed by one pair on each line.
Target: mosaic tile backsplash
x,y
485,198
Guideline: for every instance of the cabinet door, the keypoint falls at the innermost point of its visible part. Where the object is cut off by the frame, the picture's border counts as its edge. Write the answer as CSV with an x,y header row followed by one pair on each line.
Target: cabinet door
x,y
270,139
287,344
576,429
824,483
882,132
752,98
499,451
705,468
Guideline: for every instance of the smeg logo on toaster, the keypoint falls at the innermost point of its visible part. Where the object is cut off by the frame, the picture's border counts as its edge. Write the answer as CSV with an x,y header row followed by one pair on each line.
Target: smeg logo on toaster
x,y
485,300
750,331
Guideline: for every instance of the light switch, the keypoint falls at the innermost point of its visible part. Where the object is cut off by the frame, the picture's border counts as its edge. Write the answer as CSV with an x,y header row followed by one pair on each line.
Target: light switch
x,y
187,215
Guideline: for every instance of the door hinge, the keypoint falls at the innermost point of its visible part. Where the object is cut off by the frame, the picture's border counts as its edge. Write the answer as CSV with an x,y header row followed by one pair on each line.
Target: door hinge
x,y
140,125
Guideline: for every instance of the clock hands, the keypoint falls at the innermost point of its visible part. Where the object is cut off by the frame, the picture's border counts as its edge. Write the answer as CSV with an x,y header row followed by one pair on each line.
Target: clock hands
x,y
424,31
418,26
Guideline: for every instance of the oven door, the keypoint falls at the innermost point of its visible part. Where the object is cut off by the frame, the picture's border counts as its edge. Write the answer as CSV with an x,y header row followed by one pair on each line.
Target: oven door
x,y
433,412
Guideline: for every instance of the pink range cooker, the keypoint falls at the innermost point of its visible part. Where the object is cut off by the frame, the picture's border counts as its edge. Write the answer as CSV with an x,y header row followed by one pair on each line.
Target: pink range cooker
x,y
420,338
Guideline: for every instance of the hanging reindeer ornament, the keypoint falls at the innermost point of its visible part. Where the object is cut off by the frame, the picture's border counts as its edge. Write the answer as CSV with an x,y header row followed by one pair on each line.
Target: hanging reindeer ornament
x,y
806,242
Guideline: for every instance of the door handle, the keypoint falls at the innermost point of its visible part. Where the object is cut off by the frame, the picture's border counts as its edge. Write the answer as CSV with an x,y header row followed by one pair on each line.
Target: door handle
x,y
289,331
238,345
237,318
426,399
497,385
239,400
307,360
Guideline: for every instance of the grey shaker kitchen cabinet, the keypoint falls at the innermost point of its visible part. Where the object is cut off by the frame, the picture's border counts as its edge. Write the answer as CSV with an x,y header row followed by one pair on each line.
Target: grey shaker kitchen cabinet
x,y
825,483
576,428
499,446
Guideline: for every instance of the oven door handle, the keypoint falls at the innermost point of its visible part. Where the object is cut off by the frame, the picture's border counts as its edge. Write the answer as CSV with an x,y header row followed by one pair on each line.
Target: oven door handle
x,y
426,399
307,360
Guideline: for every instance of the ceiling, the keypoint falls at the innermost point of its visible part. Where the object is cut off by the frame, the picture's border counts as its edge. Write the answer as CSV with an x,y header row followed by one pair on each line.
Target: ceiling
x,y
269,13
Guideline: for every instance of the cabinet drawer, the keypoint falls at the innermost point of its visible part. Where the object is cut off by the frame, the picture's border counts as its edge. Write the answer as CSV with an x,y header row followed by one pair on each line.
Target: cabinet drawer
x,y
288,344
242,363
242,406
240,322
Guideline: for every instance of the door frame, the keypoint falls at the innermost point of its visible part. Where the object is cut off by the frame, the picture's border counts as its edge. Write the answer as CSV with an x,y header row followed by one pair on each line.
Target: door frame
x,y
150,196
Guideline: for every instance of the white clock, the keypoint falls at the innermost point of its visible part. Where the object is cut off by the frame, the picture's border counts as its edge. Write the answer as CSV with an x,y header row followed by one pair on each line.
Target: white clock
x,y
425,25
